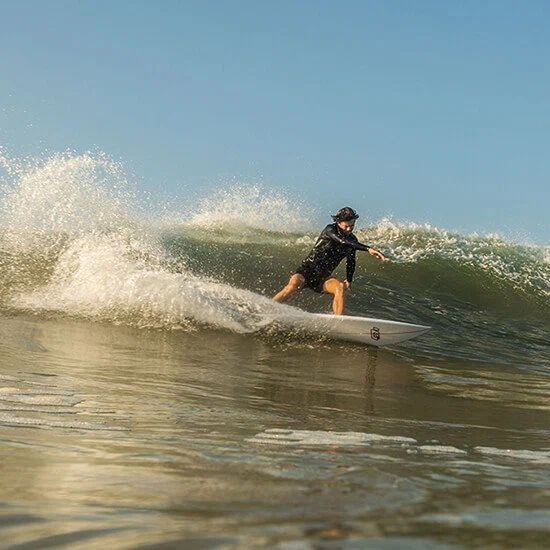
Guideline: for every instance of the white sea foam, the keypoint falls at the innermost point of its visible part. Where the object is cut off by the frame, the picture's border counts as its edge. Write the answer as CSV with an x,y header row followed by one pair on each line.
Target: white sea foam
x,y
30,397
541,457
319,437
305,438
15,420
441,449
506,519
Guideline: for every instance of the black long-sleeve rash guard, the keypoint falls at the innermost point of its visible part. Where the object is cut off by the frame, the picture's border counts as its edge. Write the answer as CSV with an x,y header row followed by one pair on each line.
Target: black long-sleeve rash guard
x,y
332,246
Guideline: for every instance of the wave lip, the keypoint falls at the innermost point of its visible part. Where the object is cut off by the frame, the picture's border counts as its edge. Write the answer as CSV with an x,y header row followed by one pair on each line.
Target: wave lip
x,y
250,206
492,259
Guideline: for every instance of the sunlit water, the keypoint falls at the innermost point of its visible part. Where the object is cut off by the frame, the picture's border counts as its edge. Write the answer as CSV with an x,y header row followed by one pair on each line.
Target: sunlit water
x,y
115,437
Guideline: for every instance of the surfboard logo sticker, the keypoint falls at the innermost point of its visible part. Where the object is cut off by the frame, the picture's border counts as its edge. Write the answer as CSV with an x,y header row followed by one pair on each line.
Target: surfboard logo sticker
x,y
375,333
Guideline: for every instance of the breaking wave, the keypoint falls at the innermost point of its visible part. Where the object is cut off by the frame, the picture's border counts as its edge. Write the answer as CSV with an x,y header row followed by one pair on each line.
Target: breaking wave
x,y
77,239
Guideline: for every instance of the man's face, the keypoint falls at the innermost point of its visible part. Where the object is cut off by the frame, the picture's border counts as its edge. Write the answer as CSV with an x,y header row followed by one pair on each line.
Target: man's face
x,y
347,226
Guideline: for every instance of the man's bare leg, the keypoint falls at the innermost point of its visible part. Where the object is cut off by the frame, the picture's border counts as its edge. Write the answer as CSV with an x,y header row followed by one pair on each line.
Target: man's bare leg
x,y
336,288
295,284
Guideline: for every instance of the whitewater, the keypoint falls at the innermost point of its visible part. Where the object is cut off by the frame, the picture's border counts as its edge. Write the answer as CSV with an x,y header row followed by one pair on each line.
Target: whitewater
x,y
163,409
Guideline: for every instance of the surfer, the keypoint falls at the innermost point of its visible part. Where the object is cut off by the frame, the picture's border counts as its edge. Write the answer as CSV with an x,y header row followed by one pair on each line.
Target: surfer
x,y
335,243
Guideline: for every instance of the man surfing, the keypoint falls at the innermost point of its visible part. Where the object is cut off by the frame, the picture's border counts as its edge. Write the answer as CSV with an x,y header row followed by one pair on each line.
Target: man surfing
x,y
335,243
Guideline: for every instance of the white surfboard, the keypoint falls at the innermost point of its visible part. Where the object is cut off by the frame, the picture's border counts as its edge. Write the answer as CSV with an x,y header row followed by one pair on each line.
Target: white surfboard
x,y
365,330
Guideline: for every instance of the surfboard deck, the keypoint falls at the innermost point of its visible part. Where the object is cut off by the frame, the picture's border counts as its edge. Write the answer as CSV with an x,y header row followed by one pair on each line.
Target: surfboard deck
x,y
364,330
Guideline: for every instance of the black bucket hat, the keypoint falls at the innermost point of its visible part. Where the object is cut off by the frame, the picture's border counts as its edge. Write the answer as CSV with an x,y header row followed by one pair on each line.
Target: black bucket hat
x,y
345,214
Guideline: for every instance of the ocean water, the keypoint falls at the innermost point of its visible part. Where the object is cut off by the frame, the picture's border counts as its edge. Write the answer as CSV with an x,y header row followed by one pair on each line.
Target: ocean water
x,y
143,403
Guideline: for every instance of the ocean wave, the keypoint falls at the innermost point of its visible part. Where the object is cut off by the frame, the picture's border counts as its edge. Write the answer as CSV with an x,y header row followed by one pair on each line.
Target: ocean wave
x,y
79,240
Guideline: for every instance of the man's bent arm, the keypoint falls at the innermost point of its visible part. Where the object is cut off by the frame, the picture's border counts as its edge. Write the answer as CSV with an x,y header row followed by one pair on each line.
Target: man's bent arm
x,y
354,244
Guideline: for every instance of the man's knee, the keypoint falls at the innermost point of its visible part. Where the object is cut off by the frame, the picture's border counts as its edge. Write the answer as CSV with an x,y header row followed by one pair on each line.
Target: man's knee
x,y
334,286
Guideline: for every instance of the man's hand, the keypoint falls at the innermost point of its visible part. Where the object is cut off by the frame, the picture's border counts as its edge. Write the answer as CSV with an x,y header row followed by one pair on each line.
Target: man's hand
x,y
377,254
347,285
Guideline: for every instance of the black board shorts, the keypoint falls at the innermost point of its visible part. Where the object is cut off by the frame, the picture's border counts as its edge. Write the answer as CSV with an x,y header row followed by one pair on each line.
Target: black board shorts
x,y
314,278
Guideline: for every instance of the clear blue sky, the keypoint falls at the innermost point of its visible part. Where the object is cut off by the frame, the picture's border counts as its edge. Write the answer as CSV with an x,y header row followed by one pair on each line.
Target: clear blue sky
x,y
429,111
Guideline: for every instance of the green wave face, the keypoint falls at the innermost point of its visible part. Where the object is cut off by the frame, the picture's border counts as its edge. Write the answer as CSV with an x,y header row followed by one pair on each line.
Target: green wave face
x,y
485,272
